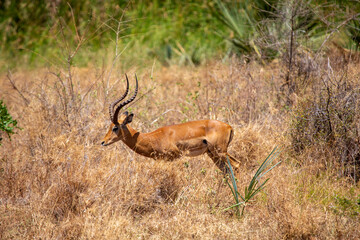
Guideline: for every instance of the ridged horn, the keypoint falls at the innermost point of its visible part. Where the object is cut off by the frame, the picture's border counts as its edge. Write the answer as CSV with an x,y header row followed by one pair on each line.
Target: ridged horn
x,y
123,104
113,104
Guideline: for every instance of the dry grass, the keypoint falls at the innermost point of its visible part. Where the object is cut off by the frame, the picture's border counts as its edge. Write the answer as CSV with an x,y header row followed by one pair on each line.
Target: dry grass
x,y
57,182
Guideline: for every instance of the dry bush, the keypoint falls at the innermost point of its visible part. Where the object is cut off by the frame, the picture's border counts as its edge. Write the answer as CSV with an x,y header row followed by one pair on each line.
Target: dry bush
x,y
326,124
57,181
251,146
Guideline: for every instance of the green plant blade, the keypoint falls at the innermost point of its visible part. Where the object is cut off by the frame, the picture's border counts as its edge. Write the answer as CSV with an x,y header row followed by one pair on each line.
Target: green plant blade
x,y
232,176
254,186
233,192
235,205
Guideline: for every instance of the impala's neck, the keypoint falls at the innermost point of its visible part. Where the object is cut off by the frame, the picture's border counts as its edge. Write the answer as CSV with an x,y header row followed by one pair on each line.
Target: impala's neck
x,y
133,139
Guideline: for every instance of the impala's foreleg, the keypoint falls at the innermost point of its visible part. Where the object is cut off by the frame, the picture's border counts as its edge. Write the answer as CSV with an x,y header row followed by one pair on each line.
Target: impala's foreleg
x,y
220,159
217,159
233,161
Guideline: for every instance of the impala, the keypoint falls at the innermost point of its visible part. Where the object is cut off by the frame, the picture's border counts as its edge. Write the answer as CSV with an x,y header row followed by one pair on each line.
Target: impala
x,y
171,142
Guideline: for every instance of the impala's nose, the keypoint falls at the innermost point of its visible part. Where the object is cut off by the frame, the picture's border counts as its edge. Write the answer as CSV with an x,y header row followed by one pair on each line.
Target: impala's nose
x,y
103,143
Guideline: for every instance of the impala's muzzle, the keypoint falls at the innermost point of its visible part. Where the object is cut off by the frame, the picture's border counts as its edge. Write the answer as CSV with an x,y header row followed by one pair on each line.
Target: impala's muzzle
x,y
106,143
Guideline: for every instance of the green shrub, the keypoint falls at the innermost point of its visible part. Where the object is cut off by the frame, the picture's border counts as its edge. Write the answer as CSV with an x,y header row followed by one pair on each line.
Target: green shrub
x,y
7,123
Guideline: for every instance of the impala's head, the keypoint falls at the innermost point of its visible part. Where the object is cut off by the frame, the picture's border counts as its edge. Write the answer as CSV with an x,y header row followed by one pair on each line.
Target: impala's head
x,y
118,123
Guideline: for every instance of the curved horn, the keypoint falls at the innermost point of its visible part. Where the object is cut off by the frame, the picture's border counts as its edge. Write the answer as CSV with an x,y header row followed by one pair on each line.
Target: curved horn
x,y
115,117
112,105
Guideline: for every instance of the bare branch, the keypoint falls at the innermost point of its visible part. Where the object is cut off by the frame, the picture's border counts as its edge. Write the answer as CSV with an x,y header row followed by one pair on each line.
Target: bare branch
x,y
9,77
335,30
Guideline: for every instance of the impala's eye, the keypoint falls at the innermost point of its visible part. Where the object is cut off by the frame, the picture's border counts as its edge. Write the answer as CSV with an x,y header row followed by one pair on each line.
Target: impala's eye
x,y
115,128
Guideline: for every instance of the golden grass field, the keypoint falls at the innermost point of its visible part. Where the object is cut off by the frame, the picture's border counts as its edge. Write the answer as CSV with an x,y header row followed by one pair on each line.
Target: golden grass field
x,y
58,182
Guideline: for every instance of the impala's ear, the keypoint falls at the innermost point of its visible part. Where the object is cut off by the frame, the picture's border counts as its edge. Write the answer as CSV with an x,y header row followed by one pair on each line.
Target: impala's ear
x,y
128,119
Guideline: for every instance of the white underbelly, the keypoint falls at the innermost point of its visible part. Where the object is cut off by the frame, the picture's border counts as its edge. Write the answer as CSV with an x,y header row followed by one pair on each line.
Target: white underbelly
x,y
195,152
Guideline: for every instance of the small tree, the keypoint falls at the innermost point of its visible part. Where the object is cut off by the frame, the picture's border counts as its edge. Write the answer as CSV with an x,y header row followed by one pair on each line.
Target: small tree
x,y
7,123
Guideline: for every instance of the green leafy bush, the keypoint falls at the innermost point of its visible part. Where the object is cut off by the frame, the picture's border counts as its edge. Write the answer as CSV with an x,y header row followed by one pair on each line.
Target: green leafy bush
x,y
7,123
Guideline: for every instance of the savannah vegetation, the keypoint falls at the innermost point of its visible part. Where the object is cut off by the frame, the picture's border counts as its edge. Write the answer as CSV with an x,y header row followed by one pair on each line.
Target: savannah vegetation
x,y
281,73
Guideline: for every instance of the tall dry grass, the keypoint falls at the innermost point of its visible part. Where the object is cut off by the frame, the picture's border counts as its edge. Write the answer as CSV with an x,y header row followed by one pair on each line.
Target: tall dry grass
x,y
57,182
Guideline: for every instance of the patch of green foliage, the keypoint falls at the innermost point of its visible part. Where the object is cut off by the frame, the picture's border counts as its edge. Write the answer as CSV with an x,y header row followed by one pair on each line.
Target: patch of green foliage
x,y
347,206
35,33
265,29
173,32
7,123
